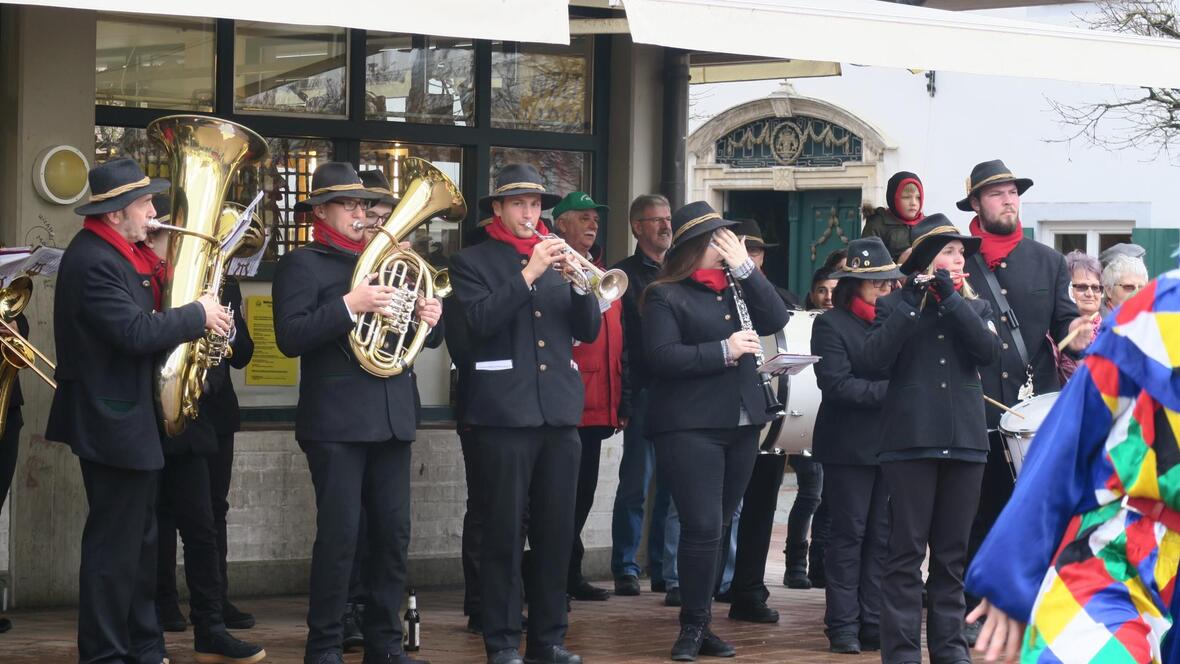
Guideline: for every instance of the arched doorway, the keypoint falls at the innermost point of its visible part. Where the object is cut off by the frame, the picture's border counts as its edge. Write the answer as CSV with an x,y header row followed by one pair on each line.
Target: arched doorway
x,y
800,166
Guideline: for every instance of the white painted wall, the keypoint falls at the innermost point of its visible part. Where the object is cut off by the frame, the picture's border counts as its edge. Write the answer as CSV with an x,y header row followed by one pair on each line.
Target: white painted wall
x,y
975,118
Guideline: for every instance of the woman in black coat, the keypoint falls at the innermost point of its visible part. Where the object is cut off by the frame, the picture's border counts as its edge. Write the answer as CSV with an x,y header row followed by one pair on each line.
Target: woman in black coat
x,y
929,339
706,404
844,441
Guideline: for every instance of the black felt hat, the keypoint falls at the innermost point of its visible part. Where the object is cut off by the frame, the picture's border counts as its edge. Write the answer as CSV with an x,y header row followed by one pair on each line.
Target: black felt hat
x,y
930,236
163,205
332,180
693,219
752,232
987,174
116,184
518,180
376,183
868,258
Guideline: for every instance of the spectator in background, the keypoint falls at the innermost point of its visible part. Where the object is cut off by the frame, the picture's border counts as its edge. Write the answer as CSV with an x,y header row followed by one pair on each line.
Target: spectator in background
x,y
1122,277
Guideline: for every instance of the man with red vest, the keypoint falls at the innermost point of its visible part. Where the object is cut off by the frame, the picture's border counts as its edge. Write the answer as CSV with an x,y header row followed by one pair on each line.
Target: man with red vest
x,y
604,377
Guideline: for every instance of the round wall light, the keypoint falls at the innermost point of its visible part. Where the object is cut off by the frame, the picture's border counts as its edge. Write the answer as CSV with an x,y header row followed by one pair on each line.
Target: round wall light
x,y
59,174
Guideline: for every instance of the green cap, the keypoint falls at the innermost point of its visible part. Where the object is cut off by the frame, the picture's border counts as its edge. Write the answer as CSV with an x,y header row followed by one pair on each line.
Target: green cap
x,y
576,200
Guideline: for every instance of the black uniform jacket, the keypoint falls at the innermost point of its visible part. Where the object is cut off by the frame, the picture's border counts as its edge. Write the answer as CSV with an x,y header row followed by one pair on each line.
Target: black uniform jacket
x,y
338,400
932,360
1036,284
684,324
521,339
641,271
849,418
108,339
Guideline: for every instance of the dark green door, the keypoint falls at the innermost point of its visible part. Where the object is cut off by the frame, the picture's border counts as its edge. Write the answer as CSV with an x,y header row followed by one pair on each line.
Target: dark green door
x,y
820,222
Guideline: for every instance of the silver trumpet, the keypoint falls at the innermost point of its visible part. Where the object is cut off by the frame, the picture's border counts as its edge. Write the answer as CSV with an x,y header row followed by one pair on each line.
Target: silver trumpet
x,y
607,285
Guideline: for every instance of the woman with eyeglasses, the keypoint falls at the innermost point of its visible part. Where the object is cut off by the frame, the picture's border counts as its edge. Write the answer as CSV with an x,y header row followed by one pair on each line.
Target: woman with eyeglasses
x,y
1123,277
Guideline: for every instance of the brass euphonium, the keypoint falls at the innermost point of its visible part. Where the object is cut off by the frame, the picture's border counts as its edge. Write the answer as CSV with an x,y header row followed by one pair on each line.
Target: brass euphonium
x,y
16,352
205,153
386,344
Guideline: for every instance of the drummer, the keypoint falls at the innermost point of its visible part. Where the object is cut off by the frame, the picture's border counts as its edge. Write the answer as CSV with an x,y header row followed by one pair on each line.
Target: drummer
x,y
854,488
929,339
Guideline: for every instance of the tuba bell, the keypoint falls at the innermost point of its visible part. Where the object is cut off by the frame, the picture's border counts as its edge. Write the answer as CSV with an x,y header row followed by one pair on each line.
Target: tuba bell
x,y
205,153
386,344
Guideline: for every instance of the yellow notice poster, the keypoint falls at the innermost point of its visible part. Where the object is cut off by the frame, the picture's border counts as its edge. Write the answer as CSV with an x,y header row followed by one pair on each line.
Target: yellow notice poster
x,y
268,366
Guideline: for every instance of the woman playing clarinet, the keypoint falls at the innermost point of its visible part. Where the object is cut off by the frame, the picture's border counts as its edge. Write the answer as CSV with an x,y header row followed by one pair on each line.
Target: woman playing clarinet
x,y
702,317
929,339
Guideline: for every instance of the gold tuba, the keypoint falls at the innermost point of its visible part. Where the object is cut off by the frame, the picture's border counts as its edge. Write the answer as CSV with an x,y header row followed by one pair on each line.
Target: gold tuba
x,y
205,154
386,344
16,352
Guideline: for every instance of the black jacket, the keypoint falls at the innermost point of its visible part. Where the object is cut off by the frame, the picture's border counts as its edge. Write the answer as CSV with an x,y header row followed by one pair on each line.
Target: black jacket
x,y
1037,286
338,400
521,339
849,418
221,401
684,325
108,339
641,271
895,233
932,360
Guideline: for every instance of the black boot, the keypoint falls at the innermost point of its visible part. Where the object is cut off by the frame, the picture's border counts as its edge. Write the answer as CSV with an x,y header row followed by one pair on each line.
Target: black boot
x,y
235,618
351,623
796,576
688,643
714,646
217,646
815,566
170,618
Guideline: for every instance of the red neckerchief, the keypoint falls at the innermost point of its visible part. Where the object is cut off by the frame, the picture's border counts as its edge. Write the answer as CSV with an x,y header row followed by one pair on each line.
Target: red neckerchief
x,y
523,246
142,264
325,234
713,279
897,201
996,248
159,271
862,309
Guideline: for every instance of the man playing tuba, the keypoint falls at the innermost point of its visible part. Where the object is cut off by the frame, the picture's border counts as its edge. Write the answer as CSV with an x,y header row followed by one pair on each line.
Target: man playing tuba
x,y
354,427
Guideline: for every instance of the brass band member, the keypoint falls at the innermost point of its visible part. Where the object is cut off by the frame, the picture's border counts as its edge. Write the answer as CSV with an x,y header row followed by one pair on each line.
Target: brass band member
x,y
525,402
108,331
707,404
354,427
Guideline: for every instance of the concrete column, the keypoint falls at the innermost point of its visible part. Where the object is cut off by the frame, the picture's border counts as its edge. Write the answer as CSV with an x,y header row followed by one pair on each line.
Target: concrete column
x,y
47,65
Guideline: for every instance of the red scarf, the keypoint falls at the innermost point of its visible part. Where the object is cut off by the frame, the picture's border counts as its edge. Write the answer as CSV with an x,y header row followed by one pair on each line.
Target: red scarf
x,y
862,309
921,200
523,246
996,248
142,263
158,272
325,234
714,279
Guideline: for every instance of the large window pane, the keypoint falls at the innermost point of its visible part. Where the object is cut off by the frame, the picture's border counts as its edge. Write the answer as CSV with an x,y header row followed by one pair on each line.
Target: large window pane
x,y
542,87
154,62
283,69
419,79
562,171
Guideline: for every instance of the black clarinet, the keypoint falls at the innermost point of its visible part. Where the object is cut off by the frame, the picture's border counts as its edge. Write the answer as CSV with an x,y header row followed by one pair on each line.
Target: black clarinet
x,y
773,407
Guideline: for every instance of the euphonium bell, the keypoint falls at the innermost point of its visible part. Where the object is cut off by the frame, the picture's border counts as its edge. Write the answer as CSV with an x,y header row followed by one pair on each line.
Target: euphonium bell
x,y
16,352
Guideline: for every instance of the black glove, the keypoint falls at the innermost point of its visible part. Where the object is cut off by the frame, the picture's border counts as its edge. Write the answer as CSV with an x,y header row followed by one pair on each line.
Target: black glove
x,y
911,291
942,285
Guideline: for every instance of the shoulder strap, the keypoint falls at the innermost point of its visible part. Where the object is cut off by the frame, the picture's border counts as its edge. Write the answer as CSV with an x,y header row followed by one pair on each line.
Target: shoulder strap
x,y
1005,309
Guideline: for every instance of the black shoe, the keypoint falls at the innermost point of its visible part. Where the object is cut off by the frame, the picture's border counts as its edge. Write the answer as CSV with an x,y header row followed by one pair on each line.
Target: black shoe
x,y
170,617
797,580
627,585
755,613
235,618
324,658
506,656
714,646
870,639
550,655
219,647
584,592
725,597
688,643
5,625
391,658
817,580
658,586
351,624
971,632
475,624
672,597
844,643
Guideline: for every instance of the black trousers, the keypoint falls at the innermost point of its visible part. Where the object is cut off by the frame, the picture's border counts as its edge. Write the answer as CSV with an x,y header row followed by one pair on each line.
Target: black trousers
x,y
591,438
184,505
810,477
535,470
707,471
347,477
9,444
755,526
221,466
858,541
931,503
117,576
472,520
993,496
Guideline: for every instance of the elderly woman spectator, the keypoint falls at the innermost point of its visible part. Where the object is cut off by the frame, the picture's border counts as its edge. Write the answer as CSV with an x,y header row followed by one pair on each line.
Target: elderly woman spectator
x,y
1085,283
1122,278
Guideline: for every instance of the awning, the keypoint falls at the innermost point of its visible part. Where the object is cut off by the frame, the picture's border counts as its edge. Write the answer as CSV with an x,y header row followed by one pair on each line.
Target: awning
x,y
506,20
885,34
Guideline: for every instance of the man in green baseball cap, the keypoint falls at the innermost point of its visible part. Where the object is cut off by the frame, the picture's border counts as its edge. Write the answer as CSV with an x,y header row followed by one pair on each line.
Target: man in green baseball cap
x,y
575,219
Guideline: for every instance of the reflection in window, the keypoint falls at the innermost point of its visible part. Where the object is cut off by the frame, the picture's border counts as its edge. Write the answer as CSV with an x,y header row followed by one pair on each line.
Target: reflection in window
x,y
116,142
290,69
419,79
542,87
154,62
562,171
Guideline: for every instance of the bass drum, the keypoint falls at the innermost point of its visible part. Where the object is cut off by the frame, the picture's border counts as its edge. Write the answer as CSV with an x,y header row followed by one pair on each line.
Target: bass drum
x,y
799,394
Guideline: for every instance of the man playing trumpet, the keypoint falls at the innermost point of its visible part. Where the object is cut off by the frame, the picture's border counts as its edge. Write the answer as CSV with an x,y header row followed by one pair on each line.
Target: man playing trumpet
x,y
354,427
